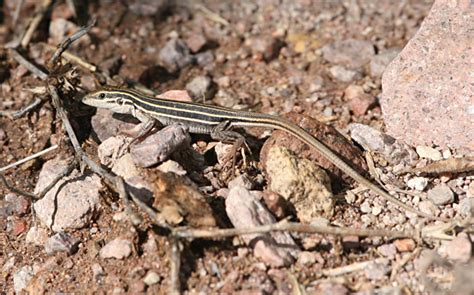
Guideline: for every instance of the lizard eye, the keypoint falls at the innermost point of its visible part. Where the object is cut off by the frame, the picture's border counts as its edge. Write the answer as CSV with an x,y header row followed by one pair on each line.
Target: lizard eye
x,y
102,95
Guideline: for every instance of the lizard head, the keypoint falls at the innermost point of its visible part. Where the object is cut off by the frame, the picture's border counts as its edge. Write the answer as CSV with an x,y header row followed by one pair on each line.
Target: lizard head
x,y
109,99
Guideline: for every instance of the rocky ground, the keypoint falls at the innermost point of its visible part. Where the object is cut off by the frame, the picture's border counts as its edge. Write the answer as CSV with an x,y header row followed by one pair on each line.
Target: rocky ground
x,y
319,64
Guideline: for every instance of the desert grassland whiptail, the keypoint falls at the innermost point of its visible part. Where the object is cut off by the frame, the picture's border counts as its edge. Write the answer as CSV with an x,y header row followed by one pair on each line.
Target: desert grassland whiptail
x,y
218,122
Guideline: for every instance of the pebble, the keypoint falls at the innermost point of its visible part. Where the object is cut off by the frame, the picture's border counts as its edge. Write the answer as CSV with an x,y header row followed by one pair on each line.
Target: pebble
x,y
205,59
427,207
245,210
19,226
59,28
263,47
359,101
417,183
148,7
175,55
61,242
171,166
388,250
372,139
466,207
428,153
36,236
441,195
196,42
380,61
303,184
137,287
459,249
159,146
151,278
307,258
376,210
405,245
17,205
376,271
125,167
22,277
118,249
350,52
447,154
97,271
365,207
73,202
223,81
331,288
201,88
344,75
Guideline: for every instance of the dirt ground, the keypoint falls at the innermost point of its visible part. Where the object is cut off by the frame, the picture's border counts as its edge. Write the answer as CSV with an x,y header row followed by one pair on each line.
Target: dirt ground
x,y
261,55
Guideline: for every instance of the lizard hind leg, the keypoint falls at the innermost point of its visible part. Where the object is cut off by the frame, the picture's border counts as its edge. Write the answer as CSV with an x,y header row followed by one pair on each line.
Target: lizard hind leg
x,y
223,133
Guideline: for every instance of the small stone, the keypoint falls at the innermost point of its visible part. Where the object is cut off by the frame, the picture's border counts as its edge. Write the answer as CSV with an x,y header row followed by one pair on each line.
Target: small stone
x,y
125,167
266,47
447,154
376,210
365,207
418,183
331,288
244,210
376,271
223,81
388,250
22,277
118,249
19,227
97,271
372,139
428,153
205,59
36,236
344,75
151,278
307,258
59,28
201,87
159,146
466,207
196,42
306,186
72,203
148,7
137,287
275,203
427,207
105,124
360,102
242,181
405,245
441,195
381,61
350,52
175,55
171,166
61,242
328,111
459,249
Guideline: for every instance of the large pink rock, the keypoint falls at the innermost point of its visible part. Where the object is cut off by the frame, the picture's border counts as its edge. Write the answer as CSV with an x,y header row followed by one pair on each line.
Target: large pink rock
x,y
428,90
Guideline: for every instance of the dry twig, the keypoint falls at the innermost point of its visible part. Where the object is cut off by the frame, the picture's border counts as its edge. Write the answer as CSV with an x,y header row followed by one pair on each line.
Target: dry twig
x,y
29,158
35,23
